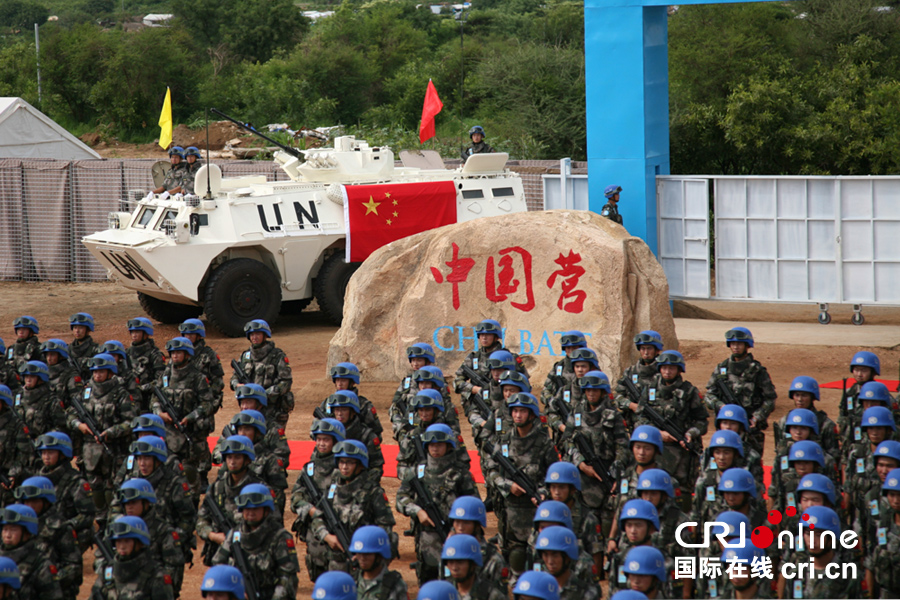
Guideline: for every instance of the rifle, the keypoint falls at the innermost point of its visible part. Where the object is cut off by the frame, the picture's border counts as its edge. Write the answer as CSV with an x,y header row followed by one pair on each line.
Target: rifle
x,y
319,413
321,503
657,419
239,372
6,481
513,472
105,551
600,466
220,520
240,560
430,507
476,378
843,407
85,417
168,408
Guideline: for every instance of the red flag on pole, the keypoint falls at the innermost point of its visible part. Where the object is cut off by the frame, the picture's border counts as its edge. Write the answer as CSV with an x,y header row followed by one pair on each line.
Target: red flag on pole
x,y
430,108
377,215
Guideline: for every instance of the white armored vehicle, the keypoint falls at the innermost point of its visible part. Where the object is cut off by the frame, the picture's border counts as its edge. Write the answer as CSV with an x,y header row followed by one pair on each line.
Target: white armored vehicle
x,y
245,248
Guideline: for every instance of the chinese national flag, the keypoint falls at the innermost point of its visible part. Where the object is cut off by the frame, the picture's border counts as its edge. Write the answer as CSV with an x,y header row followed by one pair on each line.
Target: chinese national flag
x,y
430,108
376,215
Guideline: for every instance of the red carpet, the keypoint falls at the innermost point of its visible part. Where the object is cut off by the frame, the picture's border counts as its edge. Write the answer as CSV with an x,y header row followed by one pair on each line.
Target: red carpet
x,y
836,385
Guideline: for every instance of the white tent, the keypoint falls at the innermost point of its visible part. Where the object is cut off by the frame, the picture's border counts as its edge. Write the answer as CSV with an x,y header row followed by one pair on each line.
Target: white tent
x,y
26,132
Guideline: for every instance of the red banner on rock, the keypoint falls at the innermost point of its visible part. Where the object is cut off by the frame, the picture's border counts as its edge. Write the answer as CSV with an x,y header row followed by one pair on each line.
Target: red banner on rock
x,y
376,215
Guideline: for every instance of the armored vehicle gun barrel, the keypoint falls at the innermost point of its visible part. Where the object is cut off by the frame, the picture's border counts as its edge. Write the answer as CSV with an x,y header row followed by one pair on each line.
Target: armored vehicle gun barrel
x,y
255,131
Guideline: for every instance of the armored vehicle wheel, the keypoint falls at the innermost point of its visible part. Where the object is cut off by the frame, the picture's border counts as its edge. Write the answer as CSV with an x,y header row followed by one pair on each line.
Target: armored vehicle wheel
x,y
331,283
295,307
241,290
166,312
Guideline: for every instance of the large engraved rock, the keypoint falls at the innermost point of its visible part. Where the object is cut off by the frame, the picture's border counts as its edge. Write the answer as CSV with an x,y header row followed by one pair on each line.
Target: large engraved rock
x,y
538,273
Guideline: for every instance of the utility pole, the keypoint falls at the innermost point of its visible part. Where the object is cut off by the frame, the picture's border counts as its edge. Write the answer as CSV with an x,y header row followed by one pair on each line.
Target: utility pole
x,y
37,50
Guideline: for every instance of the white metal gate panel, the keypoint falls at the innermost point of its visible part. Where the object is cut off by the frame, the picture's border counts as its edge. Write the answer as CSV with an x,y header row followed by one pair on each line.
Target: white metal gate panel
x,y
683,229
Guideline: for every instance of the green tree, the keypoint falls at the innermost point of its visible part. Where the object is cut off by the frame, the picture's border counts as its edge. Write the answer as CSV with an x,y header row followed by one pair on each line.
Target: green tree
x,y
22,14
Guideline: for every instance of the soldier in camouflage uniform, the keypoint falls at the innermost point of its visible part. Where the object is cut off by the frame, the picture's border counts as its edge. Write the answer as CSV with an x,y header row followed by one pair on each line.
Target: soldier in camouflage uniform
x,y
426,409
143,426
135,574
233,476
732,417
445,478
357,499
736,491
530,450
55,538
859,470
126,372
801,424
887,458
40,409
419,355
499,420
253,397
726,451
39,577
371,550
483,422
638,522
738,579
563,484
8,374
344,405
864,366
803,458
205,360
27,346
678,402
112,409
490,336
748,381
267,546
560,406
16,451
345,376
558,551
326,433
649,344
468,516
10,580
562,372
172,184
813,489
191,166
147,361
551,513
226,582
804,391
65,380
872,393
461,556
189,394
83,348
74,503
266,364
883,542
644,568
428,377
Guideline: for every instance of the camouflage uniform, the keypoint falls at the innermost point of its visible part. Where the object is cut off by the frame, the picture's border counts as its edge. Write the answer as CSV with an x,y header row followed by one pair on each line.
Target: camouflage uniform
x,y
751,386
615,566
709,502
82,351
189,394
640,374
561,406
175,176
445,479
811,586
579,589
752,461
21,351
670,517
223,492
16,450
484,588
138,577
274,443
412,451
207,362
882,550
41,410
166,545
785,479
268,465
39,576
57,540
320,468
367,412
400,408
859,474
560,375
707,483
827,437
611,212
271,556
356,430
65,381
147,362
477,361
268,366
9,376
174,502
73,499
387,585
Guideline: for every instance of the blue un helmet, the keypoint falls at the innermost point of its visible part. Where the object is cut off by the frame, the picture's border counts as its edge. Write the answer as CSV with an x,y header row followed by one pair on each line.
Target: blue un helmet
x,y
430,373
437,434
537,584
802,417
639,509
469,508
150,445
891,482
645,560
9,573
670,357
55,440
815,482
586,355
253,418
733,412
878,416
140,324
866,359
114,347
649,435
733,521
104,361
875,391
136,489
421,350
628,595
257,325
6,395
524,400
34,367
26,322
346,398
255,495
573,339
822,517
352,449
427,399
56,345
738,480
807,450
223,578
739,334
83,319
192,151
180,343
193,326
612,190
371,539
477,129
462,547
345,370
252,390
888,449
334,585
595,380
329,426
21,515
648,337
129,528
176,151
437,590
563,472
559,539
502,359
489,326
552,511
744,554
149,423
34,488
656,479
804,384
727,439
238,444
519,380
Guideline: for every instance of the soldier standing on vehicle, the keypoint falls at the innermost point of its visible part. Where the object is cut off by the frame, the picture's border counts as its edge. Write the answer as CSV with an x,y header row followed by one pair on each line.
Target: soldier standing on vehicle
x,y
479,146
192,165
371,549
610,210
649,344
135,573
175,174
27,346
562,372
19,543
83,348
265,364
461,556
147,361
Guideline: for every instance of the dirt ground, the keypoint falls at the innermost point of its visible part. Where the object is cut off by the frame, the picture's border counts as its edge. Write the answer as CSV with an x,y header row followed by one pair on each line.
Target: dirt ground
x,y
305,339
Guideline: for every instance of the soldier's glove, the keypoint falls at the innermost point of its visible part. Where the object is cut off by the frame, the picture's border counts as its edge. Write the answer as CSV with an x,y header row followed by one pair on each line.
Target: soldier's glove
x,y
149,196
164,196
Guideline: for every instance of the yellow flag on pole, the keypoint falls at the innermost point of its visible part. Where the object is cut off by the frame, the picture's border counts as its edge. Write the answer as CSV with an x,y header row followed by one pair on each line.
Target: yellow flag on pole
x,y
165,121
